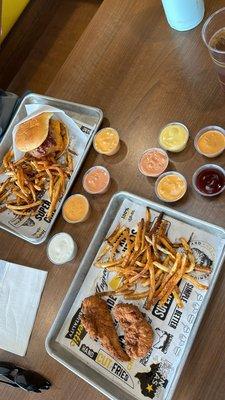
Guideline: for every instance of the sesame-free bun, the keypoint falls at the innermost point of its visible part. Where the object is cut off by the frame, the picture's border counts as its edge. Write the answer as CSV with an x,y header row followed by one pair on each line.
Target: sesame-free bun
x,y
33,132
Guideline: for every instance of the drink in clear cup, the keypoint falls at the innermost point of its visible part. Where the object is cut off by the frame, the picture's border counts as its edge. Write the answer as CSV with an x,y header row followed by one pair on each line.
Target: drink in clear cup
x,y
213,34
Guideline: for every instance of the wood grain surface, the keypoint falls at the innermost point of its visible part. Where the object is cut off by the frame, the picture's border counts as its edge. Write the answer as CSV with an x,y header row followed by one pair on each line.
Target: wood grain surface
x,y
143,75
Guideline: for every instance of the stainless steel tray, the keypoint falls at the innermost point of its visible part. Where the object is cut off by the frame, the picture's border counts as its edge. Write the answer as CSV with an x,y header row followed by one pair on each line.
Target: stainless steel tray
x,y
91,116
70,360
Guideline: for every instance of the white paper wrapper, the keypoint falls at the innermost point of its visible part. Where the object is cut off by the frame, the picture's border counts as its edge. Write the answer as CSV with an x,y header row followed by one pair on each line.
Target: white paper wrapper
x,y
152,376
79,133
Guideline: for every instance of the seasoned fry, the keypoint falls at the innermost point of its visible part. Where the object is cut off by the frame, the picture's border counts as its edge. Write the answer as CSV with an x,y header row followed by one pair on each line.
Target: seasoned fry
x,y
202,269
7,158
191,266
27,177
104,251
162,249
173,269
167,244
176,294
31,187
151,266
55,198
23,207
156,225
51,183
152,280
109,263
194,282
160,266
185,245
116,244
172,282
138,238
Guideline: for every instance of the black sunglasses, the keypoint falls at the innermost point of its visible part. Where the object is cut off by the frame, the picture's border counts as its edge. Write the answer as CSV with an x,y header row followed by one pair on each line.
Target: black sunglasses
x,y
22,378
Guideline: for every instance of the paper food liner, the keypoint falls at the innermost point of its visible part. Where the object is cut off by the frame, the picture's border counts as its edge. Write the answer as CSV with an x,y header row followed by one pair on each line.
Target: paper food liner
x,y
152,376
36,226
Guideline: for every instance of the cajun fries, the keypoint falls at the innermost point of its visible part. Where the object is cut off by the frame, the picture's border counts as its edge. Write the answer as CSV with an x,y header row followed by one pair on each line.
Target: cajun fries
x,y
152,266
28,178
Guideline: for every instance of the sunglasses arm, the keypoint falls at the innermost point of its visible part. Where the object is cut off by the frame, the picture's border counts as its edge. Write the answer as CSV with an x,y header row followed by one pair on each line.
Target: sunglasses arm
x,y
10,384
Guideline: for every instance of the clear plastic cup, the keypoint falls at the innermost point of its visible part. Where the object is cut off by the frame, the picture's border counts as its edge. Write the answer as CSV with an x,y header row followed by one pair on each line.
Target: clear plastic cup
x,y
149,152
61,248
96,180
174,173
174,148
200,133
213,35
70,203
203,168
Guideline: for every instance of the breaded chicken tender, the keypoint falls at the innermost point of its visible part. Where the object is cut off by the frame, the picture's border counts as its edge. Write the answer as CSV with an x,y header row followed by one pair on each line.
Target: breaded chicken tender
x,y
98,322
138,333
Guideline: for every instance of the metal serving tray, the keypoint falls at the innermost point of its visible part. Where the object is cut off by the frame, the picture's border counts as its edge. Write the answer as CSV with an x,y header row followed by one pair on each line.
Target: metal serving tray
x,y
86,115
70,360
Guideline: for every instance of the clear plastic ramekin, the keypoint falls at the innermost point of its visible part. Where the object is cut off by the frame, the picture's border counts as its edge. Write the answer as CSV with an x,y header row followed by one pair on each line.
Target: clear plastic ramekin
x,y
200,133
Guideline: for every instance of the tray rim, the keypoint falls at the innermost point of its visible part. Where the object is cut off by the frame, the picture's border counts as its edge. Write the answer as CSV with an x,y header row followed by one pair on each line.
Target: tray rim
x,y
71,181
176,214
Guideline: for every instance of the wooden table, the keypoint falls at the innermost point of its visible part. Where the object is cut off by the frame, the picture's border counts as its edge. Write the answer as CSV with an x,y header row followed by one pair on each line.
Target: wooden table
x,y
142,74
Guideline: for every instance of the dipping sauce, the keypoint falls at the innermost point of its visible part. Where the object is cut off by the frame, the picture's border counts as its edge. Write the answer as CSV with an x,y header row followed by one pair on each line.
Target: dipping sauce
x,y
171,186
173,137
107,141
61,248
211,143
76,209
153,162
209,180
96,180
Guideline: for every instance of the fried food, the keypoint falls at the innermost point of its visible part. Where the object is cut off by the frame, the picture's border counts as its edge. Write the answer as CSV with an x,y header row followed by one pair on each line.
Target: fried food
x,y
151,266
42,135
98,322
138,333
28,178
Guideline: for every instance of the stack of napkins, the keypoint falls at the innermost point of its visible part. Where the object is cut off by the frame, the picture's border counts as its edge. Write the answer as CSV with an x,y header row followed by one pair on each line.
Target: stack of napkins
x,y
20,292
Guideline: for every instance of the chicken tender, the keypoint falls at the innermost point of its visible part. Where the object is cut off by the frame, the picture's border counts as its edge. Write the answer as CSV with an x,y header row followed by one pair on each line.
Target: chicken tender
x,y
98,322
138,333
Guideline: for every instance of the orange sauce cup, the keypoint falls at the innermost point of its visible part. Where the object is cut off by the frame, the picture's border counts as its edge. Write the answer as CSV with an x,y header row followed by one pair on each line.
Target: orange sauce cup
x,y
96,180
76,209
170,186
153,162
210,141
107,141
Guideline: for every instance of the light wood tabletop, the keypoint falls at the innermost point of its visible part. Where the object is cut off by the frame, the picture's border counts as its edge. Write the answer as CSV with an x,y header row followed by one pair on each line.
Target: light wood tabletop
x,y
143,75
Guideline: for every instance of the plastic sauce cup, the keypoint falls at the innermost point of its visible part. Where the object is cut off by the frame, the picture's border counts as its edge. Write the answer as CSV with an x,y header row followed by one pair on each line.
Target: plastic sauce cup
x,y
170,186
107,141
174,137
210,141
153,162
61,248
209,180
76,209
96,180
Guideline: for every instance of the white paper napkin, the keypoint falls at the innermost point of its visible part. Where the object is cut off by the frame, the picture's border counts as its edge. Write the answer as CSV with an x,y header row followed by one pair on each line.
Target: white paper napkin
x,y
20,292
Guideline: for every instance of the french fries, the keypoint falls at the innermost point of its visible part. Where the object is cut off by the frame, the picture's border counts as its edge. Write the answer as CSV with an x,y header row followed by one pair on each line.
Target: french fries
x,y
28,179
151,266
